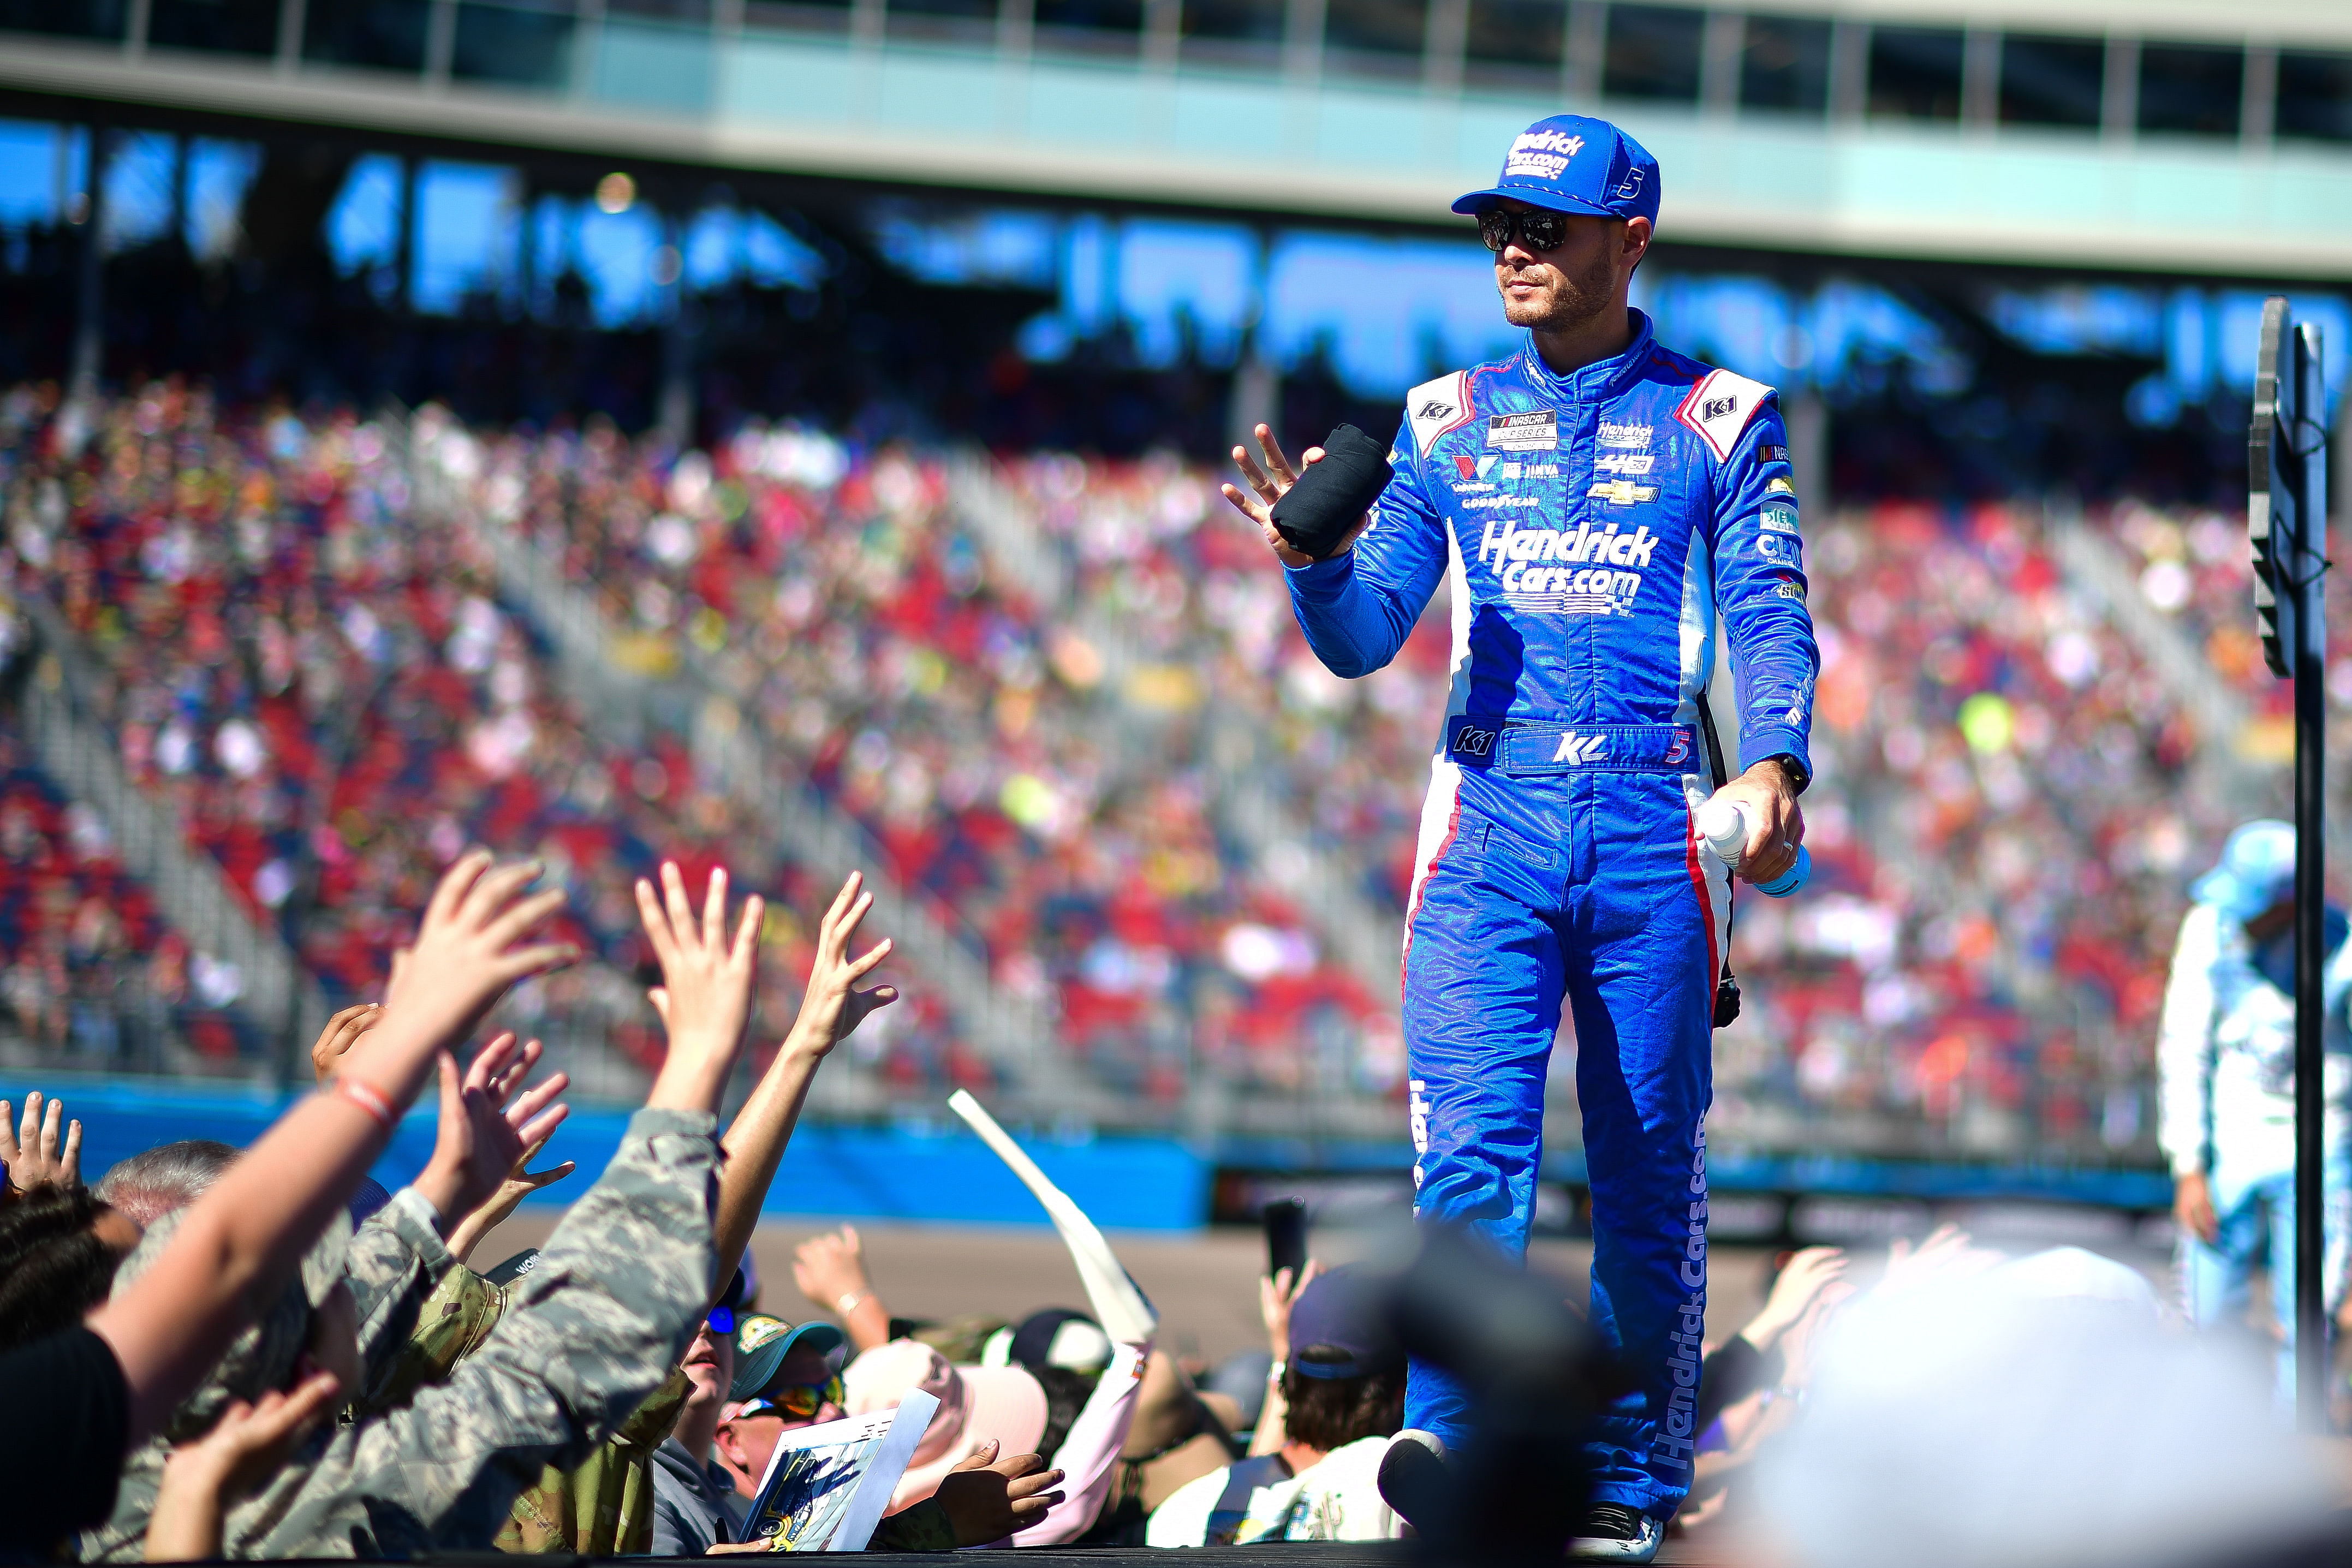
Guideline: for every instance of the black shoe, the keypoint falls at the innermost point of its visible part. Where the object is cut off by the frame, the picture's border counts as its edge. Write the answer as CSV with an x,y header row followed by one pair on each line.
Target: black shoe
x,y
1413,1479
1612,1532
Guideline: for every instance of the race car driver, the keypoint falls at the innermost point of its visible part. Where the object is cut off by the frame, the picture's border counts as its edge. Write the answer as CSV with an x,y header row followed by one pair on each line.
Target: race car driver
x,y
1594,500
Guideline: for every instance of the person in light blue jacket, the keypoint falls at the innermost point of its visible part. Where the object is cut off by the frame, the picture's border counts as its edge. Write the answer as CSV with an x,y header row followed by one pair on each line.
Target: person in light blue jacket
x,y
2226,1056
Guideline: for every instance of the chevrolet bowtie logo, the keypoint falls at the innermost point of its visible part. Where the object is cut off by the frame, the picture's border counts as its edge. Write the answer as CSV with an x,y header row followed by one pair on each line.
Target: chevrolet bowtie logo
x,y
1621,492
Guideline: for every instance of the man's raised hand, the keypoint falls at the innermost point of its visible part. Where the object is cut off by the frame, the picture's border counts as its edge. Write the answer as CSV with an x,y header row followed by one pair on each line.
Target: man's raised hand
x,y
1268,486
33,1152
705,996
832,1008
482,1136
520,1183
467,951
343,1030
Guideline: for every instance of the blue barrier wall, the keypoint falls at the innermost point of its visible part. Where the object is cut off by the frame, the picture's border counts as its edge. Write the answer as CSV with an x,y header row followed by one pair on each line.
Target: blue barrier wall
x,y
856,1172
945,1174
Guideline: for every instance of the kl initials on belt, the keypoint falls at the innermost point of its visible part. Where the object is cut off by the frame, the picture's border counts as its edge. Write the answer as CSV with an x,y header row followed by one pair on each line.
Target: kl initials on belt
x,y
1519,748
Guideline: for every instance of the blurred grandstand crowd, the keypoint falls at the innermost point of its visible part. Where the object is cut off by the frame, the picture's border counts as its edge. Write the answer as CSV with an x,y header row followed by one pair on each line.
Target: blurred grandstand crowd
x,y
322,678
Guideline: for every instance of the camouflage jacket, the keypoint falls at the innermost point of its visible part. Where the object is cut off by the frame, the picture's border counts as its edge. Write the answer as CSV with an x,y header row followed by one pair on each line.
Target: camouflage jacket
x,y
602,1509
583,1339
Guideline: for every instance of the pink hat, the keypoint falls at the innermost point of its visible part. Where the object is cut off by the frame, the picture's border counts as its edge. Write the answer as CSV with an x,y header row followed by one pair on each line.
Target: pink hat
x,y
976,1403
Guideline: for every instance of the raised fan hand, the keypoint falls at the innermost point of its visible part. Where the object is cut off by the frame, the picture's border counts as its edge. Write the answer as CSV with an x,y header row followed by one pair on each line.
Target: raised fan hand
x,y
705,996
470,947
486,1128
832,1008
44,1149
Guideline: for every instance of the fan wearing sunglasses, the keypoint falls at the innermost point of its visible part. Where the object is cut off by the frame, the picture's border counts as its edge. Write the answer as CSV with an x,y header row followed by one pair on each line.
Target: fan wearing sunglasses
x,y
785,1377
1597,503
788,1377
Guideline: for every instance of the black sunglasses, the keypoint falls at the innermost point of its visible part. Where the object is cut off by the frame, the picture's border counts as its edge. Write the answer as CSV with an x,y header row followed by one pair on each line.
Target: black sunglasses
x,y
1537,228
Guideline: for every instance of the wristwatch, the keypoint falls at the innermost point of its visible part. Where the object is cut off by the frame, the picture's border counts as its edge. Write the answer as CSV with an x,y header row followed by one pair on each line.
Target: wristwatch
x,y
1799,774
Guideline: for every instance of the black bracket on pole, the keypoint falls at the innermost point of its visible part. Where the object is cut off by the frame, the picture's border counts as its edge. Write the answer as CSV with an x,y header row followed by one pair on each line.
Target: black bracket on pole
x,y
2286,514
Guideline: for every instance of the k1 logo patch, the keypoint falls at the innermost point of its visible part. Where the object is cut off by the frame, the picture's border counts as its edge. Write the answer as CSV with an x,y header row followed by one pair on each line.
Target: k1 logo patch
x,y
1434,408
1719,407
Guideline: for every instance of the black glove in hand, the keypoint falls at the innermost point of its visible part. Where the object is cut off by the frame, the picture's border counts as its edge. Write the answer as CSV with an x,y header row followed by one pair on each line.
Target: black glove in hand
x,y
1332,496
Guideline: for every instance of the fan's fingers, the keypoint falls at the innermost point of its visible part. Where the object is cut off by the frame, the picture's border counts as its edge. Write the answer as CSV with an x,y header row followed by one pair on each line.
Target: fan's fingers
x,y
518,1070
497,888
450,892
509,1077
306,1404
714,911
840,905
52,1129
543,1126
869,1002
521,919
483,1071
747,933
536,960
1022,1484
681,913
536,1098
863,965
548,1178
656,920
69,1166
854,916
348,1032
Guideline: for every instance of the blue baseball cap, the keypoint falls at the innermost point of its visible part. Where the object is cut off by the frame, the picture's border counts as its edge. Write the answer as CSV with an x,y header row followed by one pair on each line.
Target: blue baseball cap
x,y
1339,1326
1573,164
2257,869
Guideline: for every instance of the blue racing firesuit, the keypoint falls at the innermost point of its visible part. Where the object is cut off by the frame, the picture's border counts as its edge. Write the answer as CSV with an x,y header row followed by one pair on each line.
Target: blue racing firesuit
x,y
1592,527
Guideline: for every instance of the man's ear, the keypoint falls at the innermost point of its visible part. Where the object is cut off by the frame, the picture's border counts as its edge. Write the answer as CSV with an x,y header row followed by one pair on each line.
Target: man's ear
x,y
728,1443
1634,244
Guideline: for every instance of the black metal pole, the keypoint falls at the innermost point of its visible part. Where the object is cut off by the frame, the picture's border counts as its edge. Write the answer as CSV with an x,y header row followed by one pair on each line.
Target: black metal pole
x,y
2310,1022
89,305
2310,565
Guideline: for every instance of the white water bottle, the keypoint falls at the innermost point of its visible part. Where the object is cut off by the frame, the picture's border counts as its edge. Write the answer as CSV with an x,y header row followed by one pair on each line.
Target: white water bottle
x,y
1725,827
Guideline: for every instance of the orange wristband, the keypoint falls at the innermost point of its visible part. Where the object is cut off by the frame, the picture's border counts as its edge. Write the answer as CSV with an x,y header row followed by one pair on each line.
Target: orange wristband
x,y
367,1097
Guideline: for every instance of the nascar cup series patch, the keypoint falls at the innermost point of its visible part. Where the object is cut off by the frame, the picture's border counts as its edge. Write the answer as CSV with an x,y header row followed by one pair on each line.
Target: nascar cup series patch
x,y
1534,432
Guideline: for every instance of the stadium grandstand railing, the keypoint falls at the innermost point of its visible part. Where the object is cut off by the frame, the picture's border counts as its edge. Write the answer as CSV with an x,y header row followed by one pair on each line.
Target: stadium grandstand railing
x,y
247,965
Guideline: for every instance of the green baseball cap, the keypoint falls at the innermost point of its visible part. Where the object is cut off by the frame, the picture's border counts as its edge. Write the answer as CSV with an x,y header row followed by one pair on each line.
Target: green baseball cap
x,y
762,1343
